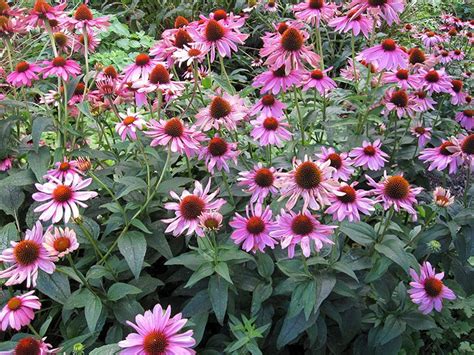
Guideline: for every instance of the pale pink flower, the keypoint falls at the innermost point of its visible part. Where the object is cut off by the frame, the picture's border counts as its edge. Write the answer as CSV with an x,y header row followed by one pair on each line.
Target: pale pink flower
x,y
402,77
369,156
62,197
441,157
210,221
339,161
61,67
274,81
422,133
267,106
84,19
350,203
64,169
217,153
359,23
260,182
270,131
194,53
314,11
59,242
158,333
226,111
387,9
318,80
130,124
26,257
428,290
24,74
140,69
442,197
19,311
386,55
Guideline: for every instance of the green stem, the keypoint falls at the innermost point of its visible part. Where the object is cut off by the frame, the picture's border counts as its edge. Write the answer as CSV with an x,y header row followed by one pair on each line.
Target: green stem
x,y
110,192
224,73
90,238
79,274
33,330
227,186
468,183
86,48
300,117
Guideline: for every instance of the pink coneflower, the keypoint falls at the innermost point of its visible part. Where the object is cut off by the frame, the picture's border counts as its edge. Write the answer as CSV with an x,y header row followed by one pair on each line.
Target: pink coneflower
x,y
83,18
303,229
130,124
271,6
172,41
423,101
400,102
175,133
43,11
159,79
260,182
360,23
217,153
428,290
441,157
369,156
194,53
288,50
190,207
274,81
442,197
458,97
431,39
465,119
435,80
24,74
140,69
92,42
319,80
339,161
226,111
267,106
386,55
457,54
464,148
19,311
314,11
26,256
217,35
59,242
349,202
30,345
157,333
5,164
387,9
402,78
210,221
61,67
444,57
270,131
64,169
62,198
310,180
417,59
253,231
422,133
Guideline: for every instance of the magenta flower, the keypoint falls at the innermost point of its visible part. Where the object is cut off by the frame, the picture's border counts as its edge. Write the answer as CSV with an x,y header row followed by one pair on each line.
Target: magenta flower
x,y
422,133
270,131
217,35
464,149
431,39
399,102
402,78
435,80
386,55
5,164
349,202
465,119
217,153
92,42
157,333
369,156
444,57
190,207
458,97
140,69
176,134
267,106
423,101
353,21
303,229
61,67
253,231
314,11
19,311
59,242
26,256
260,182
159,79
441,157
24,74
130,124
42,11
428,290
319,80
62,198
172,41
274,81
387,9
340,162
395,191
457,54
64,169
226,110
83,18
30,345
309,180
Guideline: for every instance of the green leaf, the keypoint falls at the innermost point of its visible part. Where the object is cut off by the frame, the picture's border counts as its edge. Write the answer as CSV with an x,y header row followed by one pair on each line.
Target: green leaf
x,y
111,349
393,250
45,326
324,285
8,234
265,266
303,298
22,178
92,312
39,126
121,290
418,321
139,224
11,199
131,183
218,294
204,271
361,233
223,270
294,326
55,286
392,328
132,246
345,268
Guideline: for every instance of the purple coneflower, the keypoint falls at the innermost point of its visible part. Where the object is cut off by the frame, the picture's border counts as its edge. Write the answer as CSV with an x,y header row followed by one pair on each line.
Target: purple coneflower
x,y
19,311
270,131
386,55
226,111
66,168
402,78
465,119
314,11
441,157
24,74
131,122
217,153
274,81
339,161
59,242
268,106
360,23
369,156
260,182
349,202
435,80
61,67
318,80
422,133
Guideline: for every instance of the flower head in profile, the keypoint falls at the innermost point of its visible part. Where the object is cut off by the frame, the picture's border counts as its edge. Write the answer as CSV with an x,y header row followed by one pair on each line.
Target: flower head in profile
x,y
223,111
402,77
387,55
314,11
83,18
194,53
26,257
178,135
338,161
317,79
44,12
61,67
353,21
19,311
210,221
190,207
268,105
130,124
395,191
270,131
159,79
349,202
260,182
386,9
59,242
253,230
465,119
458,96
217,152
66,168
431,39
428,290
140,69
62,198
30,345
441,157
423,101
158,333
457,54
24,74
442,197
309,180
422,133
6,164
301,229
369,156
400,102
275,81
